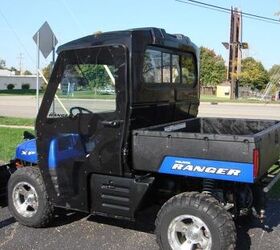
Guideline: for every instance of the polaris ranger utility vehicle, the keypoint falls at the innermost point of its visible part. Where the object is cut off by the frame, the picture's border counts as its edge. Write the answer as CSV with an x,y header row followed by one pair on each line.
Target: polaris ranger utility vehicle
x,y
143,146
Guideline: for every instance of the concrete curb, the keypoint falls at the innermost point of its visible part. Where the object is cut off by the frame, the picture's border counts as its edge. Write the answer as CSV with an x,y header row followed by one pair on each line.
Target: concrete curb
x,y
16,126
241,103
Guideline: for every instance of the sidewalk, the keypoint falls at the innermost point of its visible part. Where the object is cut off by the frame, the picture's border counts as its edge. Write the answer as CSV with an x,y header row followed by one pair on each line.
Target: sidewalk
x,y
16,126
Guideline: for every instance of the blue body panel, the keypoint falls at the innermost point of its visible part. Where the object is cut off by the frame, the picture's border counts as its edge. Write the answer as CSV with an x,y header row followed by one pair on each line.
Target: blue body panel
x,y
27,151
64,147
220,170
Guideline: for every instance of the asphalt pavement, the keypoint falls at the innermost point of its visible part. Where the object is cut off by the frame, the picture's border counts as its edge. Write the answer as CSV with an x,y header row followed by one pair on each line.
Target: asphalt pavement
x,y
74,231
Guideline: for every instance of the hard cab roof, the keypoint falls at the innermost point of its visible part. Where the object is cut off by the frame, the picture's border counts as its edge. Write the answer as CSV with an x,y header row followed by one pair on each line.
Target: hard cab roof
x,y
152,36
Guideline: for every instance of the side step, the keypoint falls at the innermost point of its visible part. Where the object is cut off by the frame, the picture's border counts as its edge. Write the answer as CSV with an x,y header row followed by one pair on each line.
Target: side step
x,y
117,196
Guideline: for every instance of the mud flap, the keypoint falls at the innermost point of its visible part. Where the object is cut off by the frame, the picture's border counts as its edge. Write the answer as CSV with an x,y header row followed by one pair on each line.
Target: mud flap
x,y
5,173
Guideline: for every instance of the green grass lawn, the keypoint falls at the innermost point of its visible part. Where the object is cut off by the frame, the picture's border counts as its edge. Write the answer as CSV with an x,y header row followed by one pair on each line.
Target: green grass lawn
x,y
19,92
212,98
88,94
9,139
16,121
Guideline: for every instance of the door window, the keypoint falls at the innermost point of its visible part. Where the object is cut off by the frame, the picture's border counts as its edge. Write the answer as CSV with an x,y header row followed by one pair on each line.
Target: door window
x,y
86,81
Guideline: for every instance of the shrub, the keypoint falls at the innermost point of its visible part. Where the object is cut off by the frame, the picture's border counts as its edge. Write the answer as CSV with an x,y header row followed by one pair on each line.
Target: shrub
x,y
10,86
25,86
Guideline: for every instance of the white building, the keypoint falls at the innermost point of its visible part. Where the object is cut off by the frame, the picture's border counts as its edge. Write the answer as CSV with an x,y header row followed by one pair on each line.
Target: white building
x,y
8,77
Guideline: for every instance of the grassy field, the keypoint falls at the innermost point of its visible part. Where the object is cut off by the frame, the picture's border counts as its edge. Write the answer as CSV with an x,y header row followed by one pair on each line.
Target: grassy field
x,y
87,95
9,139
19,92
209,98
16,121
77,94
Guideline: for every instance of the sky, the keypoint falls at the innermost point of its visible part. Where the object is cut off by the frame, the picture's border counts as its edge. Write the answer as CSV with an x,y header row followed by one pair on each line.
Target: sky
x,y
72,19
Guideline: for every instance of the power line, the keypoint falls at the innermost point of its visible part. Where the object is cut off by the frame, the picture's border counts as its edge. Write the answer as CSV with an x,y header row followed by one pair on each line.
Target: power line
x,y
17,37
228,10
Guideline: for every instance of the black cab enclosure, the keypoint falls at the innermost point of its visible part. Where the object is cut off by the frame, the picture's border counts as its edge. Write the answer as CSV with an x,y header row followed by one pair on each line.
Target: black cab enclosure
x,y
83,146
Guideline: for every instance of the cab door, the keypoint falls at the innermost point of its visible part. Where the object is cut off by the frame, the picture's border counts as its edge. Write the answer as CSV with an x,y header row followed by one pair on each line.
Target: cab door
x,y
81,122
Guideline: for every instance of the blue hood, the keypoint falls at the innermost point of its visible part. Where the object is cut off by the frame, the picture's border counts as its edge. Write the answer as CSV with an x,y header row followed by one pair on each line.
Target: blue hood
x,y
27,151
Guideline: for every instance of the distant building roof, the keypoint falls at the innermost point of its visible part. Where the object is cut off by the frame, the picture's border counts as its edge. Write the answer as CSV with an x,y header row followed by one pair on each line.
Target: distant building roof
x,y
19,76
6,72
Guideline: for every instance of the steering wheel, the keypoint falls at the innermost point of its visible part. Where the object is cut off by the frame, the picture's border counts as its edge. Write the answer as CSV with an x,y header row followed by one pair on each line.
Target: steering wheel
x,y
80,110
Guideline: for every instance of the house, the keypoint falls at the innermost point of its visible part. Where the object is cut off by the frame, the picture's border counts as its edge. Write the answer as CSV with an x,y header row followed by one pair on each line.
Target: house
x,y
223,90
8,78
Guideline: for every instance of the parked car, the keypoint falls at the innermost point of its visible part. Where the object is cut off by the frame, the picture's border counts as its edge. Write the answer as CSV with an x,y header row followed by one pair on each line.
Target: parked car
x,y
106,91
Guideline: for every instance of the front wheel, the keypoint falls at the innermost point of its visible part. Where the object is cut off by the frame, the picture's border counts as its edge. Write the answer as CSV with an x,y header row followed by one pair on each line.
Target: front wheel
x,y
194,221
27,197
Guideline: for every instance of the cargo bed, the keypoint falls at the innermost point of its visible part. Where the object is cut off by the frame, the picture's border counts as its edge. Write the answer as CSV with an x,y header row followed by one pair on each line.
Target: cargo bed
x,y
210,144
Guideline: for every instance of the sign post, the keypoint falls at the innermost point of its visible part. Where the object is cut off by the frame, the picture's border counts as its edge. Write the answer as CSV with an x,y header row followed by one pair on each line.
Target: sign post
x,y
46,41
37,71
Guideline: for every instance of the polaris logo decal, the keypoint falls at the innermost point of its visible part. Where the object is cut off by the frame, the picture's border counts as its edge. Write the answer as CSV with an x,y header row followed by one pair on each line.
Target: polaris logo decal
x,y
26,152
223,170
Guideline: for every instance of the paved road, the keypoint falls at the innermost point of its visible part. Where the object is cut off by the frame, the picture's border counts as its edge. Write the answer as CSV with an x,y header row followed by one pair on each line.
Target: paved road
x,y
24,106
240,110
77,231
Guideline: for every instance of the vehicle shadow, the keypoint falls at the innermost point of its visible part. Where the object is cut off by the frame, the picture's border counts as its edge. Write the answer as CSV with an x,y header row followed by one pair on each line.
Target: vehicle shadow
x,y
3,202
7,222
247,225
144,221
248,230
64,217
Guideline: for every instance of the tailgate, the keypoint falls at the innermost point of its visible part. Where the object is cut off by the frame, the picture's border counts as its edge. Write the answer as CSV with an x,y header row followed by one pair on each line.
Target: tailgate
x,y
268,144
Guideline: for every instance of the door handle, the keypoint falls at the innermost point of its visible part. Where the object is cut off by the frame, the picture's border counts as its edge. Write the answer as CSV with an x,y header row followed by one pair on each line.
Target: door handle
x,y
112,124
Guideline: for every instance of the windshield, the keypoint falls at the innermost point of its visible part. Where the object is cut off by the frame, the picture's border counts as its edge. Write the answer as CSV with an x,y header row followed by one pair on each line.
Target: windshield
x,y
86,79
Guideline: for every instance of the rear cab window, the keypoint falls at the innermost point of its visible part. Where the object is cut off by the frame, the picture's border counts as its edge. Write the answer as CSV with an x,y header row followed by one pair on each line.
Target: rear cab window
x,y
169,67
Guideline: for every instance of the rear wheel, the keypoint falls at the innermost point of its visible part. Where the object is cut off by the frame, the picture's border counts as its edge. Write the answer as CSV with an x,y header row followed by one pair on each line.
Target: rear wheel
x,y
28,200
194,221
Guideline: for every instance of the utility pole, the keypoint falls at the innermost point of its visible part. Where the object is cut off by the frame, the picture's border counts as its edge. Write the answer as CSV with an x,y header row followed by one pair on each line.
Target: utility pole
x,y
20,58
235,47
234,52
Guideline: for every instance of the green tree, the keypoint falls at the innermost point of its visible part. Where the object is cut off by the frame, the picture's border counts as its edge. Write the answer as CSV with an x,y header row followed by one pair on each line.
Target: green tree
x,y
253,74
95,75
15,70
212,67
274,73
27,72
47,71
2,64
